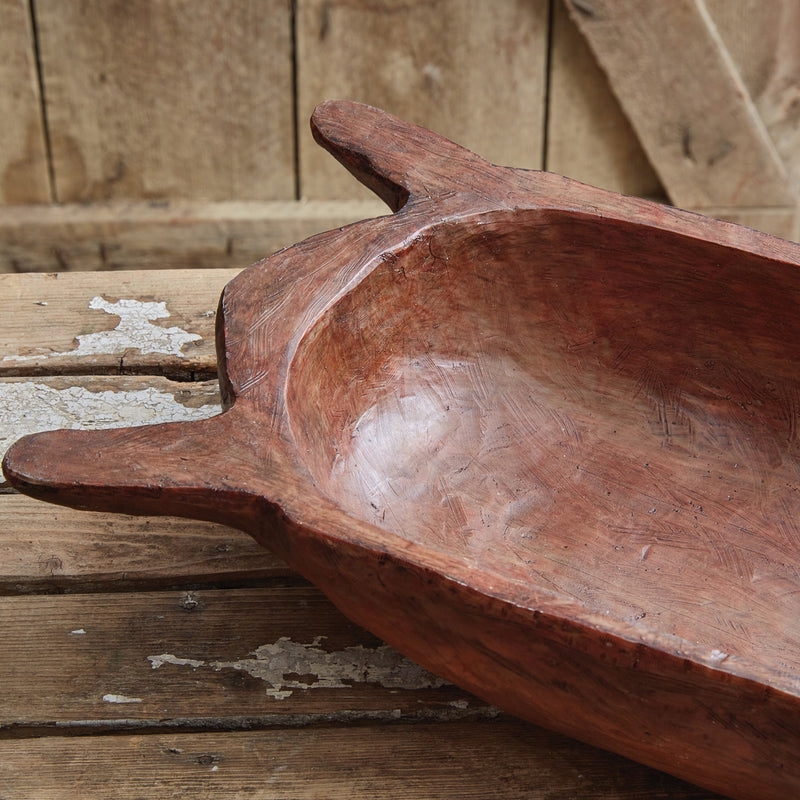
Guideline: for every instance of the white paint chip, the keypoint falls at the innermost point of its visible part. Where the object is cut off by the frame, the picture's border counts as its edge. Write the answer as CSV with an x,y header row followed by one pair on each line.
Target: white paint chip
x,y
286,666
32,407
135,331
77,632
166,658
120,698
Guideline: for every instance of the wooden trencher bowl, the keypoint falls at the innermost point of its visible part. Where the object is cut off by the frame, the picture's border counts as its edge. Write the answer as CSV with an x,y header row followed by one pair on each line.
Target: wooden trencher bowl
x,y
540,437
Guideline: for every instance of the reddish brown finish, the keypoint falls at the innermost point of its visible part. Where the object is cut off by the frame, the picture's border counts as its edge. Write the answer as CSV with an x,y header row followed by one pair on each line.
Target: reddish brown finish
x,y
540,437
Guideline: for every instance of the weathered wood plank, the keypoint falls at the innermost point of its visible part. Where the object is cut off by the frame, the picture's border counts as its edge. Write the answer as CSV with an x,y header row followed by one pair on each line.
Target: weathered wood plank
x,y
210,657
155,100
45,548
473,71
707,143
23,156
171,235
588,137
160,322
494,759
761,37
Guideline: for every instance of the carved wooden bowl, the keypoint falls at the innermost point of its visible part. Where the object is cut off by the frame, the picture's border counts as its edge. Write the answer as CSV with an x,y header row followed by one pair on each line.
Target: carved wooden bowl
x,y
540,437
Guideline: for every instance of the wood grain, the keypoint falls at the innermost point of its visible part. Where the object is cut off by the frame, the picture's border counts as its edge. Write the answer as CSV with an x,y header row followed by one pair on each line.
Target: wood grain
x,y
42,316
155,100
169,235
47,551
761,38
472,71
210,658
686,102
589,137
493,759
540,437
23,155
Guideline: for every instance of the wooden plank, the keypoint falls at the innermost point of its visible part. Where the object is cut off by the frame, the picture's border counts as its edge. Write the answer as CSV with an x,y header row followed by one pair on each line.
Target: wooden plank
x,y
23,156
82,323
155,100
473,71
174,235
494,759
761,37
588,136
211,658
46,548
707,143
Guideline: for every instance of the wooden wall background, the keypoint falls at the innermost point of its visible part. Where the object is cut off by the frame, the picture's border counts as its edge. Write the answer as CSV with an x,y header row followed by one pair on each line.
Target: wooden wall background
x,y
174,133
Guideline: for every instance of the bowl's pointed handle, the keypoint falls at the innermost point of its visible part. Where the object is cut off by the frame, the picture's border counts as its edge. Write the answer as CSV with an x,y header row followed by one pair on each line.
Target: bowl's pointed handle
x,y
188,469
395,159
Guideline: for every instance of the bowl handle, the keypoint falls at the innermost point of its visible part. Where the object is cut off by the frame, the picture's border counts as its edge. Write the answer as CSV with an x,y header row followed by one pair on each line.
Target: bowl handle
x,y
191,469
395,159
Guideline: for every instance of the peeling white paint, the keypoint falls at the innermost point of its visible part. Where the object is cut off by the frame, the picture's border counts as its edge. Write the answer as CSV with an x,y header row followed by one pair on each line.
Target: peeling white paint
x,y
77,632
286,666
32,407
120,698
166,658
135,331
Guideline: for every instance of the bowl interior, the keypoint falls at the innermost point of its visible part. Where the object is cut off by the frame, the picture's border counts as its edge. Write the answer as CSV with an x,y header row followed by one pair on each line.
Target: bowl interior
x,y
606,411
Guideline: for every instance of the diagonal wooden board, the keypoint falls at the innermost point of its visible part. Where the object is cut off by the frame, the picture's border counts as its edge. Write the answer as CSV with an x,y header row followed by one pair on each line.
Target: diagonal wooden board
x,y
693,115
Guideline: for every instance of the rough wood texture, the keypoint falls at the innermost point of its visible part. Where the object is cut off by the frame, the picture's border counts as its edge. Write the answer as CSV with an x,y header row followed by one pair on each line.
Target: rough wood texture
x,y
494,760
205,658
539,437
75,551
761,37
23,159
160,100
85,323
588,136
174,235
686,102
471,70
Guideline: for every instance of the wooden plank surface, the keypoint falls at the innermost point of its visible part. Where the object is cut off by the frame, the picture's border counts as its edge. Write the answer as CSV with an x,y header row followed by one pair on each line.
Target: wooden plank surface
x,y
686,102
23,156
589,137
83,323
171,235
472,71
45,549
762,39
209,657
160,99
499,759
